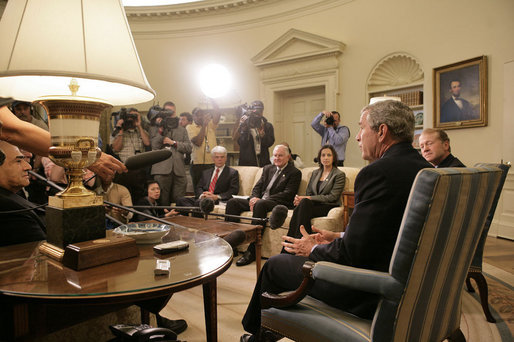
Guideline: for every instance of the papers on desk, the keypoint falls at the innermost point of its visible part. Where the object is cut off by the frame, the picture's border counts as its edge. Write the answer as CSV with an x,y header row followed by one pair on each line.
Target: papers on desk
x,y
242,197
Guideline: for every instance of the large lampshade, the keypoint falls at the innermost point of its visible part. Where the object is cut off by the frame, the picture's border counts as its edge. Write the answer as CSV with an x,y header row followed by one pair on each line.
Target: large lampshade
x,y
47,43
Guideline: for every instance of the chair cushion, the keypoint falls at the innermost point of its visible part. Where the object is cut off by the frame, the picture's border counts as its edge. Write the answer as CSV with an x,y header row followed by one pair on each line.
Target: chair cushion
x,y
313,320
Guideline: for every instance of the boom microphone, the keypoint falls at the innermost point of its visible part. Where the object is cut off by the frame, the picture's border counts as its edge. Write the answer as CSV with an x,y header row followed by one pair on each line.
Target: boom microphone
x,y
206,205
276,219
278,216
145,159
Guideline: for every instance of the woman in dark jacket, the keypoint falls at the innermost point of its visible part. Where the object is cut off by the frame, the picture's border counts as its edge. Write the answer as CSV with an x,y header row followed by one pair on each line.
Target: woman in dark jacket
x,y
322,194
152,198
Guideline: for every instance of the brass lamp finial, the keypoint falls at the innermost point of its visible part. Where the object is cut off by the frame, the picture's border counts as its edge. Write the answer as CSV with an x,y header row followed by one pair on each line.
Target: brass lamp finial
x,y
74,87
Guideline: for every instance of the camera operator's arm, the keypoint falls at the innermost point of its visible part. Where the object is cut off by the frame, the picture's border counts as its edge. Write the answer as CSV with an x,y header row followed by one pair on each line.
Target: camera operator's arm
x,y
243,132
316,124
268,138
117,143
23,134
338,135
200,137
156,139
183,144
216,113
142,132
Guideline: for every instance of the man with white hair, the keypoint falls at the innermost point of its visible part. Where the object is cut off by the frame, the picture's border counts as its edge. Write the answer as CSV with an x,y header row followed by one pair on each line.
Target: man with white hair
x,y
278,185
218,183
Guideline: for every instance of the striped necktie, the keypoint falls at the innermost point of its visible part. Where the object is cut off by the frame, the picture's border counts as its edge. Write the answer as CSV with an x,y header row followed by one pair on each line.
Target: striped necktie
x,y
214,180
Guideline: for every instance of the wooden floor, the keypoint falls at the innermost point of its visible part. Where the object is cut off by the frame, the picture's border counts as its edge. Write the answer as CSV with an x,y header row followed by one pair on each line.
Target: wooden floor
x,y
236,285
500,253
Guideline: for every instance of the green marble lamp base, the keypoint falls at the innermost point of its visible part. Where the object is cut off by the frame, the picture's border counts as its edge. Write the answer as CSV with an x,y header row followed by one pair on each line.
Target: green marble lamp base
x,y
65,226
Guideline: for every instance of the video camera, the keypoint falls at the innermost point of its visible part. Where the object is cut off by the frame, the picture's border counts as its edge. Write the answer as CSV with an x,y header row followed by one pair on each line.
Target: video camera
x,y
167,122
129,120
253,112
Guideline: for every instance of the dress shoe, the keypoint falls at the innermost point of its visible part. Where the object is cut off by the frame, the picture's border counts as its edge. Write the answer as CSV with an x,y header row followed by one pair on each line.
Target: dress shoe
x,y
247,338
246,259
177,326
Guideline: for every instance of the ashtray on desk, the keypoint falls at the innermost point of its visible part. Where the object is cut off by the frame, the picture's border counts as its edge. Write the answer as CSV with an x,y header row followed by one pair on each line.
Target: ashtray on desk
x,y
143,233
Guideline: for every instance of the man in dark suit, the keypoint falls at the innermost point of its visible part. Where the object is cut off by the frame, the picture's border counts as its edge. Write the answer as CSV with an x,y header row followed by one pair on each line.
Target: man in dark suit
x,y
456,108
218,183
381,192
165,133
23,226
278,185
435,148
255,135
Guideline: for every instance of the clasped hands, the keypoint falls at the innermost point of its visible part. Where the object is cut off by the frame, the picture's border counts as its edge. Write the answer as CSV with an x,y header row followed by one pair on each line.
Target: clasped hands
x,y
207,194
303,246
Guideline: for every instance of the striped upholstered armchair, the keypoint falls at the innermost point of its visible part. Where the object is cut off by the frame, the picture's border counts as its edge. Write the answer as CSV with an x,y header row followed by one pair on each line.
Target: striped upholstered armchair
x,y
421,293
475,270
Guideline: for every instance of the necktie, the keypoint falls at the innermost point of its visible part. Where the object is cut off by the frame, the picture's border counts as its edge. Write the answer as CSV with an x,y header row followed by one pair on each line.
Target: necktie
x,y
213,182
270,184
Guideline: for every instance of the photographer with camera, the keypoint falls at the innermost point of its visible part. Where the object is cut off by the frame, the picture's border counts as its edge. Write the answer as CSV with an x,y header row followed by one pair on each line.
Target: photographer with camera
x,y
203,136
130,138
166,133
254,134
332,133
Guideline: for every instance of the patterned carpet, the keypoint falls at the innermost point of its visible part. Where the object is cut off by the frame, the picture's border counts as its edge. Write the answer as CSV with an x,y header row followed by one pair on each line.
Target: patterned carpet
x,y
501,300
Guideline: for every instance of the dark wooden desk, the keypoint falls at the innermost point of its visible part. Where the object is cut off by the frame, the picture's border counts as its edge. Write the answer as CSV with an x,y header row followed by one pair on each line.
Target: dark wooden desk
x,y
31,284
222,228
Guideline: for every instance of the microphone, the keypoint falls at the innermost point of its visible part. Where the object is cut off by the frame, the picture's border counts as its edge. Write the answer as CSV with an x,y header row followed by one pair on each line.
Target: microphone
x,y
278,216
276,220
145,159
206,206
235,238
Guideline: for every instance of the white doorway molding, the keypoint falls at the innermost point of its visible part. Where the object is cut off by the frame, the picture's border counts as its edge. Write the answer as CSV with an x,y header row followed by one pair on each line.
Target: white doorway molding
x,y
298,60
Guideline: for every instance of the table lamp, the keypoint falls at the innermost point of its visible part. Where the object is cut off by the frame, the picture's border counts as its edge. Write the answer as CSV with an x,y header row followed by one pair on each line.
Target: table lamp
x,y
77,58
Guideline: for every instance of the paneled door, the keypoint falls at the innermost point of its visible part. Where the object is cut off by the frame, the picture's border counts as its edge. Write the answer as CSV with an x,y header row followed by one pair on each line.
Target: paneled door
x,y
297,109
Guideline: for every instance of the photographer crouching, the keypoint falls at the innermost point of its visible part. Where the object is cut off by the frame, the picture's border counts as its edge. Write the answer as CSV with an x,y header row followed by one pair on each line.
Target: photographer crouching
x,y
254,134
332,133
130,139
166,133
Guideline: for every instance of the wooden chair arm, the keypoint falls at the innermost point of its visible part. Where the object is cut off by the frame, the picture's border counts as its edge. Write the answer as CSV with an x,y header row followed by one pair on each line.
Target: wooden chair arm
x,y
290,298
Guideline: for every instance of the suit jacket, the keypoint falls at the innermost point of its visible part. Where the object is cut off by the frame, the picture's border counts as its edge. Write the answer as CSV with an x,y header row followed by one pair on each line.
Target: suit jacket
x,y
451,112
285,187
150,211
451,161
20,227
226,185
330,190
175,163
381,192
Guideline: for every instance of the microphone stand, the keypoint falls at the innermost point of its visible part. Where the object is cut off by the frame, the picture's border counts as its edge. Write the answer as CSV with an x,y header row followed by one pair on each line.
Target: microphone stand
x,y
52,184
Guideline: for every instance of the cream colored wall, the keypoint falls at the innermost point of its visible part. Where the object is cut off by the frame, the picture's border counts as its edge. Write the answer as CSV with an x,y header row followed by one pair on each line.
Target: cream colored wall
x,y
435,32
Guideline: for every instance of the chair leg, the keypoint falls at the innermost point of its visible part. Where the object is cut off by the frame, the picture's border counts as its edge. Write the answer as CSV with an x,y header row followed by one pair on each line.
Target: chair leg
x,y
457,336
468,283
484,294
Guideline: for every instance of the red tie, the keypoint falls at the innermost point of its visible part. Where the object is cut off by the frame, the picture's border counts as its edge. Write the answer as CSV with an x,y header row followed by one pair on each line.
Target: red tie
x,y
213,182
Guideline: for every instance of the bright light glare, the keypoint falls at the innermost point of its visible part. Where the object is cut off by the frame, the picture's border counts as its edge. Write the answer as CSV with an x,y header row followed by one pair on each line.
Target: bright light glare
x,y
214,80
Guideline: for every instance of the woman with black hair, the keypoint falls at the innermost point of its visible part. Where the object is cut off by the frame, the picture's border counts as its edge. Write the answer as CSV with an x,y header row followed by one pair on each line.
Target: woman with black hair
x,y
322,194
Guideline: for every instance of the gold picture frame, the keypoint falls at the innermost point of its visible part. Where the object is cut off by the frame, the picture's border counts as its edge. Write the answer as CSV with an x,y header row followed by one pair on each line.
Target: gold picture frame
x,y
460,94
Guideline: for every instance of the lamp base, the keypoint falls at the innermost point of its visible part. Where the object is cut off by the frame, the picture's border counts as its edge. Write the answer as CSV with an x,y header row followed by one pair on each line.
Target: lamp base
x,y
87,254
70,225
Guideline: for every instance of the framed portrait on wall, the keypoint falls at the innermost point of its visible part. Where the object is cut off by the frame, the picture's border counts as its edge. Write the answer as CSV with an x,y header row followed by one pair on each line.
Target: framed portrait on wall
x,y
460,94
